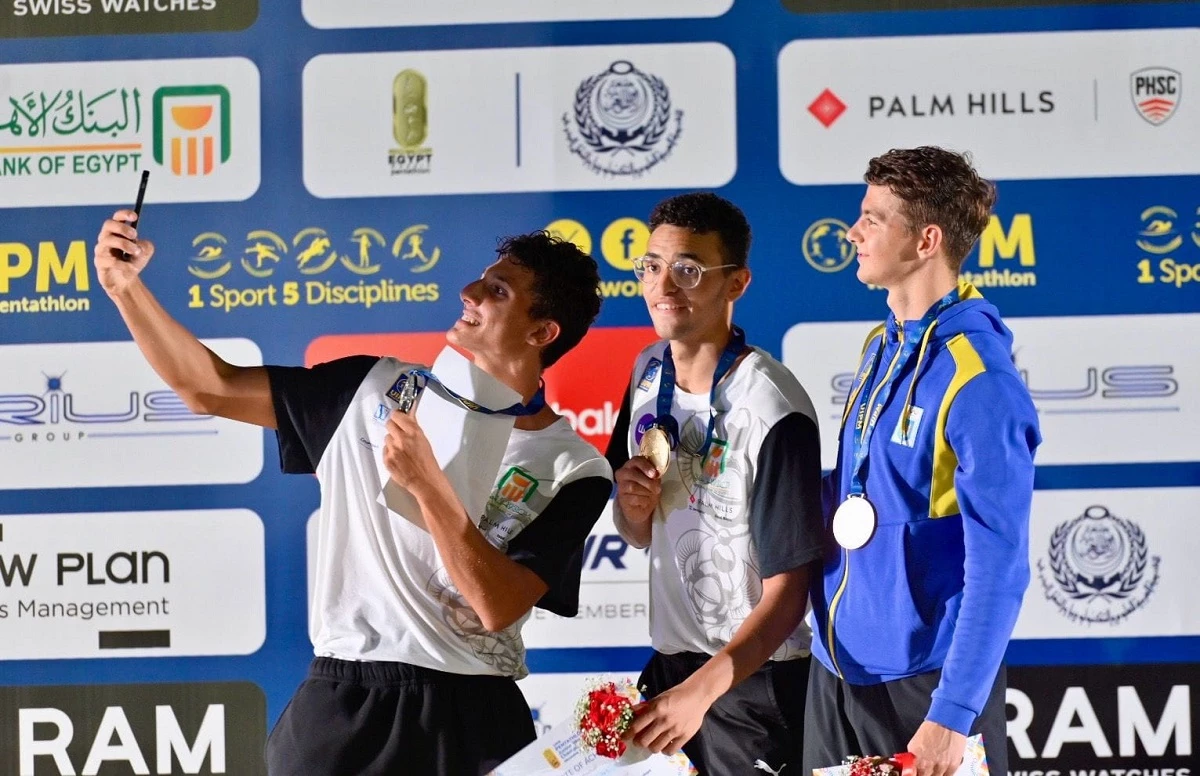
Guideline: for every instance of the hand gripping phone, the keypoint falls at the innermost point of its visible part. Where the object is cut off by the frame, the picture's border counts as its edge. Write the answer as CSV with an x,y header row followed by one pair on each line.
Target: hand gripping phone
x,y
137,206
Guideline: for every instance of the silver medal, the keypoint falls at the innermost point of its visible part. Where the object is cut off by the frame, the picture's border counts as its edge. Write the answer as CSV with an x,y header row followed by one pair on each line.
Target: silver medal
x,y
854,522
409,393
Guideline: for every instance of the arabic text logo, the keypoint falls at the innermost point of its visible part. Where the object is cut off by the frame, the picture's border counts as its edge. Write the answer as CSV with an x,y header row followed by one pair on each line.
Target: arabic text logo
x,y
1098,567
622,122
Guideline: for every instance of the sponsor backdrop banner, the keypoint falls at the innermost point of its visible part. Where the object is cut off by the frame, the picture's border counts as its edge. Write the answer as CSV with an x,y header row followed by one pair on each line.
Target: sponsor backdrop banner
x,y
535,99
77,131
201,728
836,108
325,178
1076,720
1120,379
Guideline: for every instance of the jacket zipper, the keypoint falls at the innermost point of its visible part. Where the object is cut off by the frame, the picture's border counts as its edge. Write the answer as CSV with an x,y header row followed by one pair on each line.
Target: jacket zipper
x,y
837,597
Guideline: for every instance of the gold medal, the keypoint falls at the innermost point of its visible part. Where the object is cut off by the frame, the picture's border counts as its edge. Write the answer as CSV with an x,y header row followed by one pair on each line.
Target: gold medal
x,y
656,447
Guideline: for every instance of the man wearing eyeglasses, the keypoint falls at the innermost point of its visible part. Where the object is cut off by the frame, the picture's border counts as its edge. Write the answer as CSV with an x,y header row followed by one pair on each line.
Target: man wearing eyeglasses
x,y
717,464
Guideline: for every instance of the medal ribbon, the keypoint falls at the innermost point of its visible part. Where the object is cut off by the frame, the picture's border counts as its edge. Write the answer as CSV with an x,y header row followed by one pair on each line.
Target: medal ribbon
x,y
666,389
534,406
871,403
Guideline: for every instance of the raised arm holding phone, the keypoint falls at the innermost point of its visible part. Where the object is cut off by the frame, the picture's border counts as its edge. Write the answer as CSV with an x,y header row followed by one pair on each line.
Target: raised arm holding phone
x,y
416,631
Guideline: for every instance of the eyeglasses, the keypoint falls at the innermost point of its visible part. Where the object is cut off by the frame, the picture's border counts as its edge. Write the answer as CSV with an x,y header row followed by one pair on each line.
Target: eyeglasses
x,y
685,274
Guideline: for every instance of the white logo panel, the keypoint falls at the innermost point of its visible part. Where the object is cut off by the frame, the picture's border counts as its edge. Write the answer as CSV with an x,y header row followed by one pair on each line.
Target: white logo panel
x,y
131,584
1105,387
94,414
78,133
1111,563
1105,103
411,13
512,120
824,357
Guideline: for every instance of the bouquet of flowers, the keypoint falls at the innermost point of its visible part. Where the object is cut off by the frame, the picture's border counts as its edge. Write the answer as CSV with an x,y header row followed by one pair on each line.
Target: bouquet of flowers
x,y
603,715
590,741
902,764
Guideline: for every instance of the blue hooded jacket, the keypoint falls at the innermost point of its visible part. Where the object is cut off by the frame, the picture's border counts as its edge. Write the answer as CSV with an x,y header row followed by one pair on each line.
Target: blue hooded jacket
x,y
940,582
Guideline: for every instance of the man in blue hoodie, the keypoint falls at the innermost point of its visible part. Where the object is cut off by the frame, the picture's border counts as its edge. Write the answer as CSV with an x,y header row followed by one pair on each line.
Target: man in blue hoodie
x,y
927,554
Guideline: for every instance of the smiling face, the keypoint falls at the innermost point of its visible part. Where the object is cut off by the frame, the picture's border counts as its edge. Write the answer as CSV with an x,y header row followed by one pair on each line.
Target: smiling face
x,y
495,323
693,315
887,245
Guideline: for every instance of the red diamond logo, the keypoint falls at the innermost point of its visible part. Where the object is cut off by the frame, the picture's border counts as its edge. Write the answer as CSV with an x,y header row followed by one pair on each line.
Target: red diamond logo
x,y
827,108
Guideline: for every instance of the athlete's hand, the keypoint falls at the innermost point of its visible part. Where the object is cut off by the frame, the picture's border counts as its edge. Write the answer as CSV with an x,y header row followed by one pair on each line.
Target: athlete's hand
x,y
639,488
115,239
407,453
668,721
939,750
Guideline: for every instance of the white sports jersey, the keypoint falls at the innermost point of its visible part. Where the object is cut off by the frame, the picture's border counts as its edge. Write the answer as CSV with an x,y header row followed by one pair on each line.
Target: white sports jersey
x,y
381,591
746,510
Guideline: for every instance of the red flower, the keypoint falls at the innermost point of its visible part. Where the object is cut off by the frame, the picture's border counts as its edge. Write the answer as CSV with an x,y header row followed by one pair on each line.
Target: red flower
x,y
897,765
603,715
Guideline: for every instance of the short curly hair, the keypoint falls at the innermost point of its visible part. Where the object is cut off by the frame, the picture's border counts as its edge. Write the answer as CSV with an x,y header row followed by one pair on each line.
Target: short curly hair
x,y
702,212
566,286
938,187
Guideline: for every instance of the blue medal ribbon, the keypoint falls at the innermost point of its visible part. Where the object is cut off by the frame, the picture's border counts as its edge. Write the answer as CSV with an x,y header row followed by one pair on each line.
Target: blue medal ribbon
x,y
535,405
666,389
871,403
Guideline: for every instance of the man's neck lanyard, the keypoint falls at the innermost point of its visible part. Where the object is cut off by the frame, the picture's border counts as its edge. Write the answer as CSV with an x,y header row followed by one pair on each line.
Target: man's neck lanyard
x,y
666,389
409,385
871,403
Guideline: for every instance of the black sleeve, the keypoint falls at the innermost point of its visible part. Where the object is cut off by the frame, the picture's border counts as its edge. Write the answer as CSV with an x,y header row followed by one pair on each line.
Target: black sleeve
x,y
309,405
785,506
618,444
552,545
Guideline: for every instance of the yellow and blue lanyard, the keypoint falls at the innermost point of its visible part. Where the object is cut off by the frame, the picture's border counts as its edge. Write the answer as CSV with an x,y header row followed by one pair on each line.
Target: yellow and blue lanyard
x,y
871,403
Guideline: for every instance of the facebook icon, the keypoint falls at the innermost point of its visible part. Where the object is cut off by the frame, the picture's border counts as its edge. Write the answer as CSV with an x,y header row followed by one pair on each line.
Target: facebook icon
x,y
627,244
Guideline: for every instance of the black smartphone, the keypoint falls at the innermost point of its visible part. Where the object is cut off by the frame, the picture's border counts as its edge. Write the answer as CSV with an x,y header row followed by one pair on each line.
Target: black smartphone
x,y
137,205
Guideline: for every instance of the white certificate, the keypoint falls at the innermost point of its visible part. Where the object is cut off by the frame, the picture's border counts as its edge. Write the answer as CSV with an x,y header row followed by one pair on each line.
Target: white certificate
x,y
559,751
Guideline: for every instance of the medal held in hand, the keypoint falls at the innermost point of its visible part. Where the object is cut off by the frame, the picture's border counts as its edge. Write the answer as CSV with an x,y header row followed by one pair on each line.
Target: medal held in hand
x,y
663,435
656,447
408,393
405,390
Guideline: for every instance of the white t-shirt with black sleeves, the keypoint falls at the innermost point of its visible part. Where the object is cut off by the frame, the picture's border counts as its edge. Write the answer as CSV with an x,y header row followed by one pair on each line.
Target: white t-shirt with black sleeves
x,y
747,510
381,591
